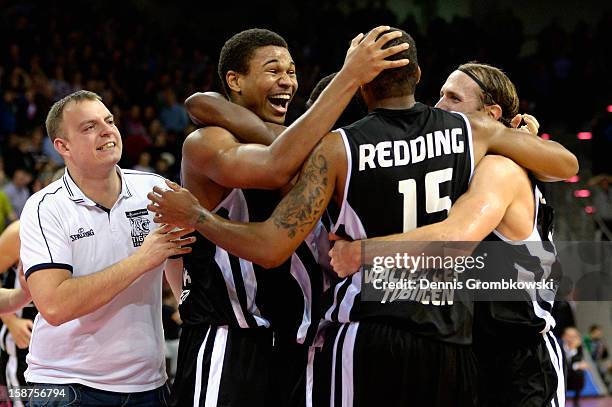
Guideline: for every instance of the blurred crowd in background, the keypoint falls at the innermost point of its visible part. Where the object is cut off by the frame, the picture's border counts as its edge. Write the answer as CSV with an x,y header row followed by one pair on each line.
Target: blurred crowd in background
x,y
145,59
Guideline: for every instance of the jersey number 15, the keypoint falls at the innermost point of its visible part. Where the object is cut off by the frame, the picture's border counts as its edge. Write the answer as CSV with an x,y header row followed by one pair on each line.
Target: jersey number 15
x,y
433,201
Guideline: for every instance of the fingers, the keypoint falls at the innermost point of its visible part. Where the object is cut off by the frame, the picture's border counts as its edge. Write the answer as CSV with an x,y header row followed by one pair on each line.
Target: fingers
x,y
153,208
516,120
355,41
395,64
173,185
184,242
153,197
177,234
180,251
388,37
373,34
394,49
532,124
164,229
158,190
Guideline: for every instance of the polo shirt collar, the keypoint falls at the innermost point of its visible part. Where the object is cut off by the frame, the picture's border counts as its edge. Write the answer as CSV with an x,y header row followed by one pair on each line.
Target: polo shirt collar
x,y
77,196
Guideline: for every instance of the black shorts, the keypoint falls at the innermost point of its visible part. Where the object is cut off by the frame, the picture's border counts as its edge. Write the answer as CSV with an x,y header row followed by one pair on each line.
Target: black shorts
x,y
289,373
369,364
221,366
530,374
12,367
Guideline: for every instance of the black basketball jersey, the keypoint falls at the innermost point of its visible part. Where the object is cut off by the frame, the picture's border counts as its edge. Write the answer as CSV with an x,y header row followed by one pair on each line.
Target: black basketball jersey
x,y
527,313
405,169
222,289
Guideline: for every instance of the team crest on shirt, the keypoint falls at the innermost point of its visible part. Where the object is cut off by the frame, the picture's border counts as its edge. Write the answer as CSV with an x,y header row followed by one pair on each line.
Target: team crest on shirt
x,y
140,225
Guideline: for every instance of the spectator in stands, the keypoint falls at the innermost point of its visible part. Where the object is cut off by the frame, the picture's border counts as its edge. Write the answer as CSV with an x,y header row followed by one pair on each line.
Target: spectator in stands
x,y
173,115
7,214
17,190
572,346
596,345
144,162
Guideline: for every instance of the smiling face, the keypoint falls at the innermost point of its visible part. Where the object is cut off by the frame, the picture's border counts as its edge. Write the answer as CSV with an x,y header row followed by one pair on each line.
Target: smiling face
x,y
90,141
269,85
460,94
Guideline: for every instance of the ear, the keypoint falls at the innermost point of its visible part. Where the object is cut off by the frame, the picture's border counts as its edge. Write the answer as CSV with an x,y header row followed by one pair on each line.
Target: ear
x,y
233,81
61,146
494,111
418,74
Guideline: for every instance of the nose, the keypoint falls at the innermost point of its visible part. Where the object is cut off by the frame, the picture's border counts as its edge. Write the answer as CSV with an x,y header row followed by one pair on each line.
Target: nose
x,y
107,128
441,103
285,80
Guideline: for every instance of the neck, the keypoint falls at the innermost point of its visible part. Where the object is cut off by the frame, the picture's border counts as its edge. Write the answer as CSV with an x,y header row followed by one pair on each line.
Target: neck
x,y
103,188
398,103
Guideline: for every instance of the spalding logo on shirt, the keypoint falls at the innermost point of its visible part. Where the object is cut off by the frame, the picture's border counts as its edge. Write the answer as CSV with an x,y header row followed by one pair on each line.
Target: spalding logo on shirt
x,y
81,233
140,225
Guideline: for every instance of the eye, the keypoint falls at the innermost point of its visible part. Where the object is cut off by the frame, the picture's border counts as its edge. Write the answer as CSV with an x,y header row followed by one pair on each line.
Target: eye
x,y
273,71
89,127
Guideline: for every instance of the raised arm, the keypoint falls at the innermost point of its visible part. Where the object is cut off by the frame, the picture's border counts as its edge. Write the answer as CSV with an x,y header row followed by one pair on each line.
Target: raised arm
x,y
475,214
212,109
266,243
548,160
255,166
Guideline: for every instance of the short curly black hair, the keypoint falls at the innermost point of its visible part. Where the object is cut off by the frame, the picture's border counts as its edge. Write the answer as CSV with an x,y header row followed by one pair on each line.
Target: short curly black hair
x,y
238,50
397,81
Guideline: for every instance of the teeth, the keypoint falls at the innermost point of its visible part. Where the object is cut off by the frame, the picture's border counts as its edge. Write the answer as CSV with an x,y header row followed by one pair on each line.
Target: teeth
x,y
281,96
107,146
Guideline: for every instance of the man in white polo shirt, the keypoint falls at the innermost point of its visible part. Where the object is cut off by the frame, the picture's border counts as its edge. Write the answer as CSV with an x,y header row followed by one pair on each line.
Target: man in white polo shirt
x,y
94,265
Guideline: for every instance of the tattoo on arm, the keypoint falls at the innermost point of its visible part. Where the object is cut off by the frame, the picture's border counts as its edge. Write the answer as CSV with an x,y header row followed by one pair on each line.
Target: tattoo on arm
x,y
201,217
304,204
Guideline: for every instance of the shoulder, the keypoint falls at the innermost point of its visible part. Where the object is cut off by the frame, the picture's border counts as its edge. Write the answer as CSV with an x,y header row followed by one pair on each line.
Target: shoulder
x,y
330,150
140,180
207,138
54,192
46,203
498,168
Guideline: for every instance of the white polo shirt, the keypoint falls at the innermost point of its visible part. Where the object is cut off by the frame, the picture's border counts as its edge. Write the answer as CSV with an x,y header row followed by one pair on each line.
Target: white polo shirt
x,y
119,347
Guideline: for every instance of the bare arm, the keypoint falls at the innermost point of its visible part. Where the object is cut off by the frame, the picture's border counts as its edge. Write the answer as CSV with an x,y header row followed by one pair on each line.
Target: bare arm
x,y
174,276
548,160
212,110
13,299
234,165
288,226
9,246
475,214
61,297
